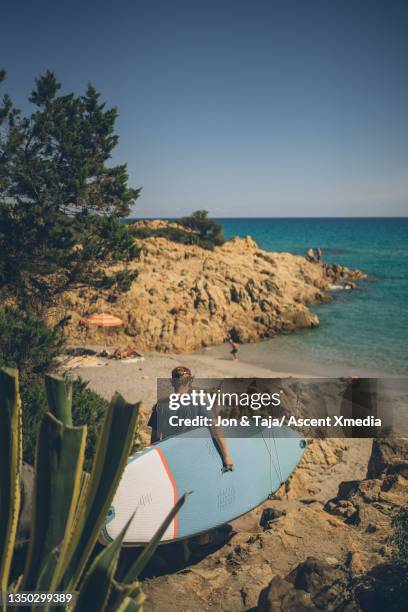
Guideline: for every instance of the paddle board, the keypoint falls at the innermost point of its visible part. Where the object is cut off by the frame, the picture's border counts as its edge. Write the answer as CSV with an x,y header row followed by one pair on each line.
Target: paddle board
x,y
156,477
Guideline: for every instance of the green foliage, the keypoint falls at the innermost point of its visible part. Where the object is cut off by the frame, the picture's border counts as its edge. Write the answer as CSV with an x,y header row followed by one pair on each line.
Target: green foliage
x,y
66,516
400,537
196,229
27,343
209,232
171,233
34,406
60,200
88,408
10,469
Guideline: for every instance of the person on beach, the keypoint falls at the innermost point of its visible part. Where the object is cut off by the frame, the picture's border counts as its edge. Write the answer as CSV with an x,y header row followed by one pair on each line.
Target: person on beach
x,y
234,349
319,255
310,256
181,380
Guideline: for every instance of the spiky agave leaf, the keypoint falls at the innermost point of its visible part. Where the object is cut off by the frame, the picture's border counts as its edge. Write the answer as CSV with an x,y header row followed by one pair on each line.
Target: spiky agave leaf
x,y
129,590
111,455
59,398
10,469
95,590
58,470
130,605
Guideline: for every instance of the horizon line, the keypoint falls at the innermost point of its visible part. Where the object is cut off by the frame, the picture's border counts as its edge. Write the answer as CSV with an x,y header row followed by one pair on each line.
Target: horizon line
x,y
272,217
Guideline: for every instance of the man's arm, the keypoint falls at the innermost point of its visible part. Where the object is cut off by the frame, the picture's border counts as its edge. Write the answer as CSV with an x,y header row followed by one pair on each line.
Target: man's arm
x,y
218,435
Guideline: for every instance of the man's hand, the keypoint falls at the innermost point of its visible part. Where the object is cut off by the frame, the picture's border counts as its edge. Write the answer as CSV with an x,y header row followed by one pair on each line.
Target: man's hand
x,y
228,464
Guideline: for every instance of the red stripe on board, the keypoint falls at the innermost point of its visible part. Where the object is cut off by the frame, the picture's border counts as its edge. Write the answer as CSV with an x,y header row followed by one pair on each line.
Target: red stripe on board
x,y
173,484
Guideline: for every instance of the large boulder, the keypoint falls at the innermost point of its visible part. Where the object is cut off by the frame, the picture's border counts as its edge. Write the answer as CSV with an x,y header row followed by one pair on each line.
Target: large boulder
x,y
312,585
370,503
386,452
269,515
281,596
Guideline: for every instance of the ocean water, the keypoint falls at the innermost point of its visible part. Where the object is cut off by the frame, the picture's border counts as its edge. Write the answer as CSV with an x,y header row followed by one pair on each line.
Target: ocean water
x,y
361,330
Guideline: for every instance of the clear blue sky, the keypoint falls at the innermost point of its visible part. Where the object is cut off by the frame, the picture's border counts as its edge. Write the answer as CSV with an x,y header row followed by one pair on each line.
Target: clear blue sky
x,y
246,108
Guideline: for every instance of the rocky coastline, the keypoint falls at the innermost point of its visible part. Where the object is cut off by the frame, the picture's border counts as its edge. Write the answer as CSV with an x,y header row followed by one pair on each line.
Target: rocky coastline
x,y
187,297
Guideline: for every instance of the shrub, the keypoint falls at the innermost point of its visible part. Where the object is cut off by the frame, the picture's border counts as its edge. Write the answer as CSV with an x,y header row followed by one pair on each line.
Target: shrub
x,y
67,519
199,230
28,343
210,233
88,408
171,233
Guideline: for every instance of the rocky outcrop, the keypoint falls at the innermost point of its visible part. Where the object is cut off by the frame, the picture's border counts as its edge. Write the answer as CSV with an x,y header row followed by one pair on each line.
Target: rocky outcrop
x,y
372,502
366,579
313,585
296,553
186,297
387,453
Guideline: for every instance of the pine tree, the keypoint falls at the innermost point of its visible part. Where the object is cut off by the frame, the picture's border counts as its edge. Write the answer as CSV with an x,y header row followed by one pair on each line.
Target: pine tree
x,y
60,200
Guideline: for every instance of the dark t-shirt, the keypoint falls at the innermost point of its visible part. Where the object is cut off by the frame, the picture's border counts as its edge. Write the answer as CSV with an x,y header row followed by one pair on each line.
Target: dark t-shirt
x,y
159,419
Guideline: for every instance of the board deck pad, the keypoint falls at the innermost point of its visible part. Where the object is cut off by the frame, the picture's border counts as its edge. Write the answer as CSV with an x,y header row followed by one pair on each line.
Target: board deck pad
x,y
156,477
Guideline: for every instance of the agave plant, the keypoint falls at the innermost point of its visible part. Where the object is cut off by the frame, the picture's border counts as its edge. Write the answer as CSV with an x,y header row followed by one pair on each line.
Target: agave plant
x,y
69,505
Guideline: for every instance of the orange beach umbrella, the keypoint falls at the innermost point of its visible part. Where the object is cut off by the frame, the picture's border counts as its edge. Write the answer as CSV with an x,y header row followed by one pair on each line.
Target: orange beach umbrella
x,y
103,320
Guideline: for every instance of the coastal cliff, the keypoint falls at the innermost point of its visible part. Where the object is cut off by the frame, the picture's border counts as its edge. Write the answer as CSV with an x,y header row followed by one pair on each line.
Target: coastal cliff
x,y
187,297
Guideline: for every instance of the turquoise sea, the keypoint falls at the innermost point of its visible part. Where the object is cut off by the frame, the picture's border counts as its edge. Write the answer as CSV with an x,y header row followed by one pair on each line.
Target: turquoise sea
x,y
361,330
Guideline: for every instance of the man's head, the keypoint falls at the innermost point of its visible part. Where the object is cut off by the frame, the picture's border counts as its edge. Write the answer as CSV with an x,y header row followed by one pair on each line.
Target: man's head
x,y
181,378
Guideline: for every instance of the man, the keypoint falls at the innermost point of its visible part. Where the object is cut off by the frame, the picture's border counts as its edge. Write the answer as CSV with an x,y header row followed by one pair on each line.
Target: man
x,y
310,256
234,349
181,380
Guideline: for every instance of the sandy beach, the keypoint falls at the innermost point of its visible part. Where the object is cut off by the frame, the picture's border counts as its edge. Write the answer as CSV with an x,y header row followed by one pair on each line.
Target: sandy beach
x,y
138,381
